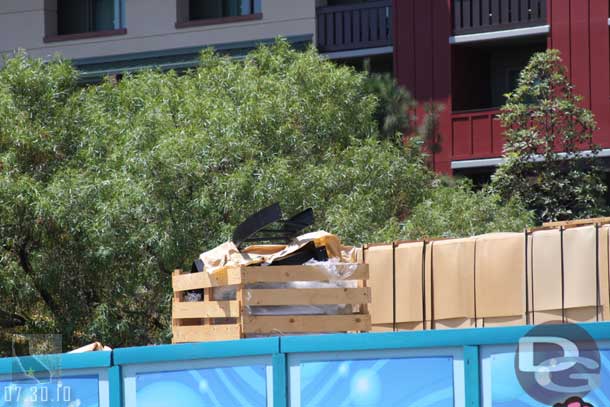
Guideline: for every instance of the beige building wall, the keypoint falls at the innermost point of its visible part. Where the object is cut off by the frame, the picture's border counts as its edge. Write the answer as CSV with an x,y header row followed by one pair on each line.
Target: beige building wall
x,y
150,27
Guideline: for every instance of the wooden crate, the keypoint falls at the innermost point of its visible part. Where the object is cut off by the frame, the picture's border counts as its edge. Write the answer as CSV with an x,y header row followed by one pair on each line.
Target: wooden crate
x,y
211,320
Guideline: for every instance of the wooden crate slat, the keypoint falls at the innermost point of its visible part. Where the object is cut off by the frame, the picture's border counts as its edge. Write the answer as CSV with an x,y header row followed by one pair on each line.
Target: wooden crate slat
x,y
206,309
577,222
194,281
305,323
307,296
281,274
205,333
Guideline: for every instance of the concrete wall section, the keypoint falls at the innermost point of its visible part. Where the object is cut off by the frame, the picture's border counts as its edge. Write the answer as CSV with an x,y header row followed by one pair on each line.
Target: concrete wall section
x,y
150,27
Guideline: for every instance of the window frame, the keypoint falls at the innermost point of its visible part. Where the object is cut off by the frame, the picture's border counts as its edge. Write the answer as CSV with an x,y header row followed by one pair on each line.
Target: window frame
x,y
119,27
456,353
184,21
131,372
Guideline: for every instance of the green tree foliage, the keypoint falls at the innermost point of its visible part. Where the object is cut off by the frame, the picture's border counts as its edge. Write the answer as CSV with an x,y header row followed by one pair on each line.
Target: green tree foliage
x,y
104,190
544,116
395,111
453,209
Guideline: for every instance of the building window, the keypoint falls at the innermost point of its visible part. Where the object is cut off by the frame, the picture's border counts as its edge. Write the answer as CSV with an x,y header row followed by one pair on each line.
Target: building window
x,y
512,78
83,16
73,19
216,11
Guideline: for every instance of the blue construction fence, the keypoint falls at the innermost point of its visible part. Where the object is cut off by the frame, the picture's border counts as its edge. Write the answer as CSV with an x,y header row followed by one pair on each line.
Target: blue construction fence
x,y
471,367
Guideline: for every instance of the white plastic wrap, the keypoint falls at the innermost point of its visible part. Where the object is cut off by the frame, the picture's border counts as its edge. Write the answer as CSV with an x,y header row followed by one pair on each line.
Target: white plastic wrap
x,y
338,273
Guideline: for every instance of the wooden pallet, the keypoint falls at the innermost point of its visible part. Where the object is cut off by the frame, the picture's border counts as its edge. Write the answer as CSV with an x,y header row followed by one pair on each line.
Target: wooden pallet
x,y
211,320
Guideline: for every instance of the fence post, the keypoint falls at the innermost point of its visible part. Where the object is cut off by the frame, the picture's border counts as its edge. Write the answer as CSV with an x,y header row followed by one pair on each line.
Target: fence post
x,y
280,382
472,376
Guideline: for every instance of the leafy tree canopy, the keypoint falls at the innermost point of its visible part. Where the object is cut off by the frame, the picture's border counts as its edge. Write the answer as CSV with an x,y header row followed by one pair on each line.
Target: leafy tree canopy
x,y
453,209
547,127
105,189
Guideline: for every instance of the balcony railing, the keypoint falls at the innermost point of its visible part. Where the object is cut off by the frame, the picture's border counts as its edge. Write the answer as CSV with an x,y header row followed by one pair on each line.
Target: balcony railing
x,y
356,26
476,134
477,16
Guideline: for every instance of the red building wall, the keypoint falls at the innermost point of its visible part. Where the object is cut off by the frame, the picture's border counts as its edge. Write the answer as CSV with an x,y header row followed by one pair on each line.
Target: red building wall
x,y
579,29
423,60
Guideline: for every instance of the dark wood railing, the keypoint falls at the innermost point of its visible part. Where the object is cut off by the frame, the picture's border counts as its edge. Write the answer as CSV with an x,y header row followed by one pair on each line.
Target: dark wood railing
x,y
356,26
477,16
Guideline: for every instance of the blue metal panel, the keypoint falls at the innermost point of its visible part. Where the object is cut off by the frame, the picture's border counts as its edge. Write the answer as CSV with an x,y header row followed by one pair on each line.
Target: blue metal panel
x,y
117,14
246,8
123,14
472,376
115,384
64,362
280,381
194,351
421,339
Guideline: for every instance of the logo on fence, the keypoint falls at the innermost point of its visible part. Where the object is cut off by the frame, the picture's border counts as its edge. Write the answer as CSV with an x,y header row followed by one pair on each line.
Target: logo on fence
x,y
555,362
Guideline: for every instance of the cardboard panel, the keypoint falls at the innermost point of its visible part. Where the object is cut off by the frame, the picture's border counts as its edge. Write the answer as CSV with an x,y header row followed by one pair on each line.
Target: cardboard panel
x,y
500,275
529,278
515,320
382,328
455,323
545,270
380,260
584,314
410,326
580,272
409,283
453,279
428,286
543,317
604,271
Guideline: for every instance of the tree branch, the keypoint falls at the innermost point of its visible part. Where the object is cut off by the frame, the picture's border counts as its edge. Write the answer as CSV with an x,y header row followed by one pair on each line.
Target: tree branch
x,y
10,320
26,266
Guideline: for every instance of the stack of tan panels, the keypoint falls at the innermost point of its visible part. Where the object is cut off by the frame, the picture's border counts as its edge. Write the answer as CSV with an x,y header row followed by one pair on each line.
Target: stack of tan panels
x,y
452,275
380,259
411,289
586,274
544,272
486,281
500,288
570,285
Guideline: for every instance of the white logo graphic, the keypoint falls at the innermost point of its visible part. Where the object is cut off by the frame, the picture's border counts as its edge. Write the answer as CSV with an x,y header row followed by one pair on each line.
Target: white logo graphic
x,y
581,382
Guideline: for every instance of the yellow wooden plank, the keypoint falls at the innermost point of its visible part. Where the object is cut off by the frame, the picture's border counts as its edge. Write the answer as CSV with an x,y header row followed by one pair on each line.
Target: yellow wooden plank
x,y
194,281
305,323
205,309
278,274
307,296
577,222
205,333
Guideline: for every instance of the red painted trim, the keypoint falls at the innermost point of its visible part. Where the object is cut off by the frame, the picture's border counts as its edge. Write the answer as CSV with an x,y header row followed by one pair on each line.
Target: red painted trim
x,y
216,21
579,49
600,69
561,23
83,36
442,75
